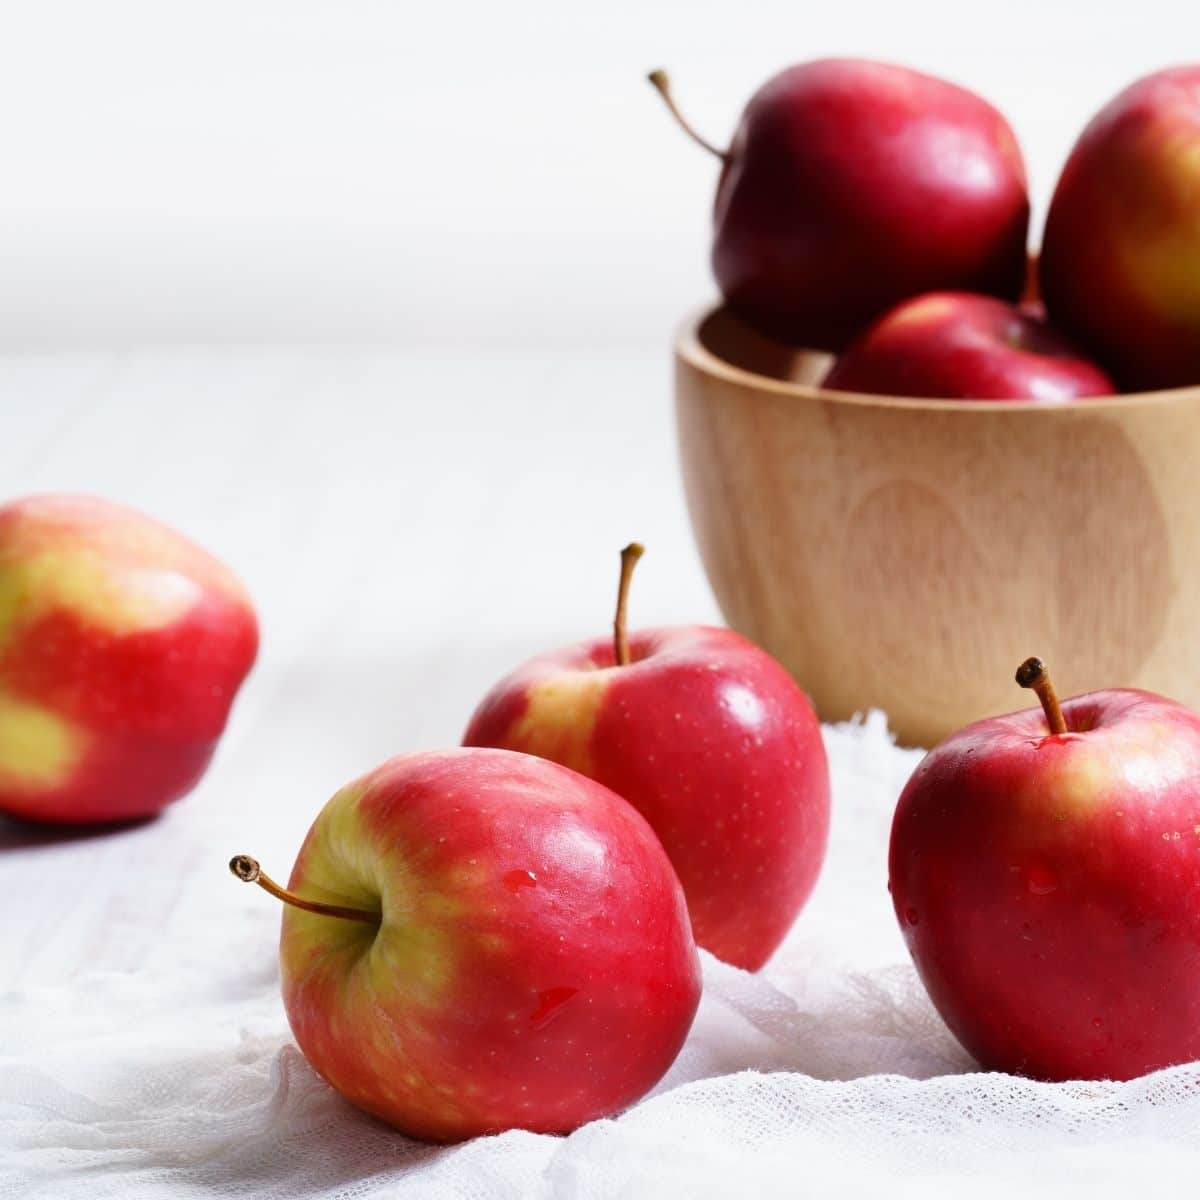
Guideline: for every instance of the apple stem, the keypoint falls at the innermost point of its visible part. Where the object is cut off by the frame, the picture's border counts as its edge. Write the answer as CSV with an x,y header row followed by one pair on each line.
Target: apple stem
x,y
248,870
662,84
1032,673
629,558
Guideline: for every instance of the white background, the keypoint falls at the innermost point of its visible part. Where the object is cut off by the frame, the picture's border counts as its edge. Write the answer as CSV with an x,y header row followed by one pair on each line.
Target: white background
x,y
444,173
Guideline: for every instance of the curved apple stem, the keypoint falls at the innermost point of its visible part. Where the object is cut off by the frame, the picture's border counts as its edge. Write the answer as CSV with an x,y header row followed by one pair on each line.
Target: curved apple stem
x,y
662,83
629,558
248,870
1032,673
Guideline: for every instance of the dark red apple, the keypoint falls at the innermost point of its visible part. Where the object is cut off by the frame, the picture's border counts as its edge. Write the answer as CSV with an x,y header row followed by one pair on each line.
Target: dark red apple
x,y
1120,263
711,740
1045,870
478,941
852,185
956,345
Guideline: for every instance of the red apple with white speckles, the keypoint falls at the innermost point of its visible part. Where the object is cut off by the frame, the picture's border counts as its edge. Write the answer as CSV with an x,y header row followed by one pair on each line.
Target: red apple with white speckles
x,y
477,940
711,740
1045,870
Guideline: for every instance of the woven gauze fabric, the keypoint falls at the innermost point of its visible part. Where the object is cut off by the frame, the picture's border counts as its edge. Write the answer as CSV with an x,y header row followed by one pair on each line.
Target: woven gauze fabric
x,y
828,1073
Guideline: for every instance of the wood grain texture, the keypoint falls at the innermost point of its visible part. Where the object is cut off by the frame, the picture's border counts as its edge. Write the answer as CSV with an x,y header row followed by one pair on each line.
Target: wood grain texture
x,y
908,554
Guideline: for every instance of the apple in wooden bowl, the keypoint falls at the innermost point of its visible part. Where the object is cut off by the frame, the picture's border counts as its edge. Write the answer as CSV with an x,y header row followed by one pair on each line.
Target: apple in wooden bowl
x,y
902,553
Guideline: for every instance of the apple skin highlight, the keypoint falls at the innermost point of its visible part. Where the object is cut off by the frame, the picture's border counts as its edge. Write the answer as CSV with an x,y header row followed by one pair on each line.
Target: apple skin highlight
x,y
713,742
122,648
1048,887
533,966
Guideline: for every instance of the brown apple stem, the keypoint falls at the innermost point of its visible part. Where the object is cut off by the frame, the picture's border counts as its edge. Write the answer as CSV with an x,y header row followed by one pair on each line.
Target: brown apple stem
x,y
248,870
629,558
1032,673
662,83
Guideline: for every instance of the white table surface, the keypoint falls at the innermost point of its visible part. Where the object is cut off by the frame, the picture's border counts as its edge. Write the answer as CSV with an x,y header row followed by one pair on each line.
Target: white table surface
x,y
409,525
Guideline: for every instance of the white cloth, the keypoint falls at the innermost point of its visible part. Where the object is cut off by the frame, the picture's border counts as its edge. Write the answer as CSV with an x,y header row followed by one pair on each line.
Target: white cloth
x,y
826,1074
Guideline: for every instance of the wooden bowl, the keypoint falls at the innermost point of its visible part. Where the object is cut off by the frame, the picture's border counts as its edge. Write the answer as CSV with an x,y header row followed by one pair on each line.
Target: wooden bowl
x,y
909,554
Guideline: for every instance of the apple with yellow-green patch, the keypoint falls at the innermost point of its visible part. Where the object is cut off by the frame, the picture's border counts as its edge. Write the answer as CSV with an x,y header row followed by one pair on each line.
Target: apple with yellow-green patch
x,y
1120,262
122,647
1045,871
710,739
477,940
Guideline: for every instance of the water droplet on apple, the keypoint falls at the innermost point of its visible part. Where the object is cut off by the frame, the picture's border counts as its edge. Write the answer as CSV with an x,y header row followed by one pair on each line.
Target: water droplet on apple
x,y
1040,880
1055,739
910,915
516,880
1096,1023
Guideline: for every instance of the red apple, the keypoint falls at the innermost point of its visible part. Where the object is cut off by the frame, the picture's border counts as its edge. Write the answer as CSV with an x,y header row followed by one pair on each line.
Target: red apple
x,y
851,185
1045,870
711,740
956,345
122,646
507,947
1120,264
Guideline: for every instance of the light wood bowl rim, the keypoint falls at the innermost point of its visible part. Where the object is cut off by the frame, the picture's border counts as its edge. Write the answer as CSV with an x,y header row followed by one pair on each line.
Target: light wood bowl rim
x,y
691,349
